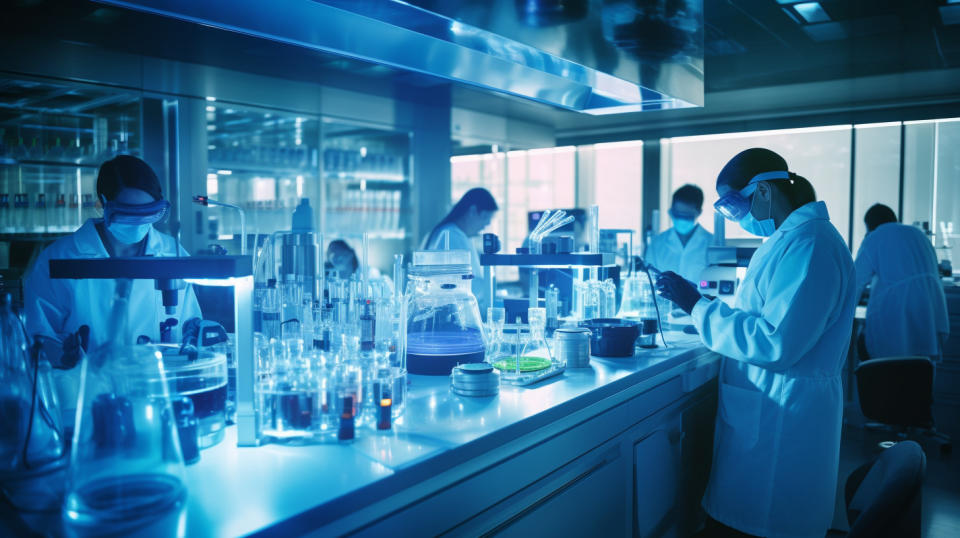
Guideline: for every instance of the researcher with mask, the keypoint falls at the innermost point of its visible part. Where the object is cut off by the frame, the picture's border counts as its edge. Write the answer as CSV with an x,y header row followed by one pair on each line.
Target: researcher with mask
x,y
468,217
71,315
907,310
682,248
777,442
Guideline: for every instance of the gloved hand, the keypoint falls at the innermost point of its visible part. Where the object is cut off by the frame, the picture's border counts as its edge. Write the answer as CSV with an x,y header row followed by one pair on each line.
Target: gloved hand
x,y
65,355
677,289
75,347
191,330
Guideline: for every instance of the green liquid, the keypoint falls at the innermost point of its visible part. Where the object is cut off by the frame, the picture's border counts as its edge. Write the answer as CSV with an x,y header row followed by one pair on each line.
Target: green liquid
x,y
527,364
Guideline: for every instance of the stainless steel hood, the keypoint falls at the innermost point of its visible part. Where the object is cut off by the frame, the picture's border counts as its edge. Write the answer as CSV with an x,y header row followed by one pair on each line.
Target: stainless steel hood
x,y
593,56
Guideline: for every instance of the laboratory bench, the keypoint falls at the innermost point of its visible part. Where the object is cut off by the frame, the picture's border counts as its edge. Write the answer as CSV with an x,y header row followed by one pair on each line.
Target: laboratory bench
x,y
621,447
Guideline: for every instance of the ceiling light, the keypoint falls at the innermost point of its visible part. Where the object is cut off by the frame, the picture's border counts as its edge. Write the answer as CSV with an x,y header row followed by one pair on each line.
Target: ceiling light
x,y
812,12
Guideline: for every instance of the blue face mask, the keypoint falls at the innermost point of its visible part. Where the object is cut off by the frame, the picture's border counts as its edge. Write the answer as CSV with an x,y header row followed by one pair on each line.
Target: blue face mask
x,y
128,234
684,226
762,228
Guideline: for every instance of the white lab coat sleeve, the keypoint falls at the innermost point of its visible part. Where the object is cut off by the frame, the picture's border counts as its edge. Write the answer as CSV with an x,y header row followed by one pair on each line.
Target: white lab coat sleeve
x,y
792,316
46,306
865,265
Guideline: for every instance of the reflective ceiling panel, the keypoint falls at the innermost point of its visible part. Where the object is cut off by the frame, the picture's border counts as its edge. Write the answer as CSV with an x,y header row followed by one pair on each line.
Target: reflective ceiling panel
x,y
593,56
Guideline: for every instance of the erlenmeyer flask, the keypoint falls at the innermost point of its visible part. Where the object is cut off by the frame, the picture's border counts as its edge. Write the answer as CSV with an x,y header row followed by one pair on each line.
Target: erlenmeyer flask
x,y
536,354
31,441
126,469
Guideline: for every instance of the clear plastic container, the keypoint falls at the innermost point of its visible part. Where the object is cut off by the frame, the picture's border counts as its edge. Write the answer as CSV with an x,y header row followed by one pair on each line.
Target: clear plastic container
x,y
204,380
443,324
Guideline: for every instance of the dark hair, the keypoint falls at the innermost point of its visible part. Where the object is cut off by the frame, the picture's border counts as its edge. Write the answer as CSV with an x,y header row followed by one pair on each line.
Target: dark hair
x,y
798,191
340,244
477,196
127,172
878,214
748,163
690,194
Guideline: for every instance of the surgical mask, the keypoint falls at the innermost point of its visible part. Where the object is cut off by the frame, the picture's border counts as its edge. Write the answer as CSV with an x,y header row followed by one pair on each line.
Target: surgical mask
x,y
128,234
684,226
762,228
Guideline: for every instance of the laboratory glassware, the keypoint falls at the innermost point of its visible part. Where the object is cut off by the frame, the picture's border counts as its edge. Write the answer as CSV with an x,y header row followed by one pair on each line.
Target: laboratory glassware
x,y
202,377
443,325
126,469
32,450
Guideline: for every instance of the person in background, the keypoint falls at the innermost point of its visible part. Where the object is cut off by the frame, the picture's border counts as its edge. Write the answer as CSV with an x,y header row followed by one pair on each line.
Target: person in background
x,y
342,259
907,309
682,248
342,262
69,316
469,216
777,444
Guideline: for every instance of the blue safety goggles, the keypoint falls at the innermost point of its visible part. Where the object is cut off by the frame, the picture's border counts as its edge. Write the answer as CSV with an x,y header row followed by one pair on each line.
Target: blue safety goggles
x,y
116,212
736,204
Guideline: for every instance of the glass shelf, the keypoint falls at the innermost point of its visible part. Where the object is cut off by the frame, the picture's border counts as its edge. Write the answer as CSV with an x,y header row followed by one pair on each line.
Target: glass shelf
x,y
53,139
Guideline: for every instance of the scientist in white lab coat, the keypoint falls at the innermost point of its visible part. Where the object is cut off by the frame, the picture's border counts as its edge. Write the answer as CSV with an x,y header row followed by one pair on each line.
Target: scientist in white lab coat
x,y
69,315
468,217
683,247
777,443
907,310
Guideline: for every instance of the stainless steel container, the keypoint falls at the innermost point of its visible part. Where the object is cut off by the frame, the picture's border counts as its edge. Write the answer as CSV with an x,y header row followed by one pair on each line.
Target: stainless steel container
x,y
475,379
572,346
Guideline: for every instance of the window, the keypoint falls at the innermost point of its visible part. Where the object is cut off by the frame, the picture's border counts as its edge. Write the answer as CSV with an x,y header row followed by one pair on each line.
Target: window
x,y
820,154
611,176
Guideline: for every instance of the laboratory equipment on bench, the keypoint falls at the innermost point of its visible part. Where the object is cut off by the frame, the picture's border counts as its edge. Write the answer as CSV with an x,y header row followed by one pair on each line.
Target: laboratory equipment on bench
x,y
230,271
201,376
126,469
612,337
572,346
726,263
443,325
32,448
478,380
532,359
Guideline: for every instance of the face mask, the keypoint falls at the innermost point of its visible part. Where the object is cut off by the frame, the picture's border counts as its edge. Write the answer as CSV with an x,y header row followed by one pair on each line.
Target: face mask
x,y
128,234
762,228
684,226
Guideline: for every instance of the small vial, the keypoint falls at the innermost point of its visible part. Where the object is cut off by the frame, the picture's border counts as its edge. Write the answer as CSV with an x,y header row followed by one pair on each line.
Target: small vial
x,y
386,413
346,431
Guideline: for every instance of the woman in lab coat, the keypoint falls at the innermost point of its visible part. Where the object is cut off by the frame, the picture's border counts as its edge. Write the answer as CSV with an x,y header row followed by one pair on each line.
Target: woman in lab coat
x,y
776,451
69,315
469,216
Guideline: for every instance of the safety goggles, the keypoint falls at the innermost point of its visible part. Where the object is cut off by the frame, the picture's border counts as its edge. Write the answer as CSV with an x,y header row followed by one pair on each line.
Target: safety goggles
x,y
735,205
135,214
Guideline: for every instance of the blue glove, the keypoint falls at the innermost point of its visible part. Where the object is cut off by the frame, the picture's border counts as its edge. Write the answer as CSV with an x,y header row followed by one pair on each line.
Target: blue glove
x,y
677,289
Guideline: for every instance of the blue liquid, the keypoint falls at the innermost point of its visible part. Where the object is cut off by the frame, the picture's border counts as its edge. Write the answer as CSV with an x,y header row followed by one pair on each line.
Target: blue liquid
x,y
436,353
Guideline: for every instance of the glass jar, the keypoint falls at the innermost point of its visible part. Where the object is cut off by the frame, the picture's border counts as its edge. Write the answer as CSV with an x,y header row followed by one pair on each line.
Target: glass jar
x,y
443,325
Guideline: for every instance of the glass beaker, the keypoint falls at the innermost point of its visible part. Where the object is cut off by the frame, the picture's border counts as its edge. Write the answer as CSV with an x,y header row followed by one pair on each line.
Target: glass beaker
x,y
443,326
126,470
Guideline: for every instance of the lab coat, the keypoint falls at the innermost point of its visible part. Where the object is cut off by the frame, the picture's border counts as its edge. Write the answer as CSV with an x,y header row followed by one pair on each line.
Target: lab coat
x,y
907,310
56,308
777,441
460,241
667,253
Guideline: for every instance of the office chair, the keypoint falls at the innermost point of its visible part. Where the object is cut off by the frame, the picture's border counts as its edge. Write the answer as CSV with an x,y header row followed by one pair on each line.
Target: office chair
x,y
884,497
898,391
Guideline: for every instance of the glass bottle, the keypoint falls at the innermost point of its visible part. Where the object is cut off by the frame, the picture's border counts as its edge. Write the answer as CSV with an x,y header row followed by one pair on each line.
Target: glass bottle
x,y
126,468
